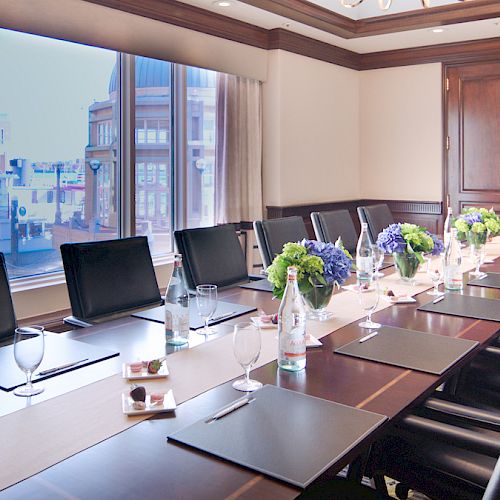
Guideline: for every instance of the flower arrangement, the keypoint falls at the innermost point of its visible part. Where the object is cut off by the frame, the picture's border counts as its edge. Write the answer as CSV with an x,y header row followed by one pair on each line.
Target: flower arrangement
x,y
316,262
409,238
477,220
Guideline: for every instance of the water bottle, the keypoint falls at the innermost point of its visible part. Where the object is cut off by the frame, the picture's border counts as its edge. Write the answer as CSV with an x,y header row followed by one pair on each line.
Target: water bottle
x,y
177,306
292,326
364,256
452,263
447,227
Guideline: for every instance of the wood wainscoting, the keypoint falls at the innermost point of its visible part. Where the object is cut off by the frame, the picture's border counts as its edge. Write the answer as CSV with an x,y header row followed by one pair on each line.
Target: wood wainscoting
x,y
424,213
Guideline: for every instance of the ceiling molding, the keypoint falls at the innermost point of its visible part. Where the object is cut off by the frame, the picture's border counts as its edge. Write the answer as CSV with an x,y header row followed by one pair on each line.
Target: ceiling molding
x,y
187,16
194,18
448,53
330,22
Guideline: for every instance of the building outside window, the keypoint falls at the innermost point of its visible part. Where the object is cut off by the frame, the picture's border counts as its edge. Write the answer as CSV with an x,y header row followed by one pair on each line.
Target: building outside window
x,y
67,190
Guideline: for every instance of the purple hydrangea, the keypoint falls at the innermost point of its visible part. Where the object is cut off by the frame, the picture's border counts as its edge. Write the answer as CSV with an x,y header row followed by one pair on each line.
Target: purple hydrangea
x,y
336,264
472,217
391,240
438,245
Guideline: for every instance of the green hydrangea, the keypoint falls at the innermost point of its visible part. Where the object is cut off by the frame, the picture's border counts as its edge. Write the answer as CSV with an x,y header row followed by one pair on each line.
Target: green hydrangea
x,y
462,226
294,254
478,227
417,239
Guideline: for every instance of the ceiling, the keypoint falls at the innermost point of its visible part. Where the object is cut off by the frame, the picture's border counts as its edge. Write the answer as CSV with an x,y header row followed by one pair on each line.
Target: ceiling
x,y
409,23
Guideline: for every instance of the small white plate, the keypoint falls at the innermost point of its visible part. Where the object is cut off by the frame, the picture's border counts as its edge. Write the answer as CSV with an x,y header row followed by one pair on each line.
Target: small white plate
x,y
258,322
312,341
354,288
399,299
143,374
167,405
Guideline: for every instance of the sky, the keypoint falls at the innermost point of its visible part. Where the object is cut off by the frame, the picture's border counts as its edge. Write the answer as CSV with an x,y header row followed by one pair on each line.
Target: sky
x,y
46,87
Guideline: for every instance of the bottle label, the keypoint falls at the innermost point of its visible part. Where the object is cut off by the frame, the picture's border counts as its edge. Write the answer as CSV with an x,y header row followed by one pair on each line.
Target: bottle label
x,y
293,338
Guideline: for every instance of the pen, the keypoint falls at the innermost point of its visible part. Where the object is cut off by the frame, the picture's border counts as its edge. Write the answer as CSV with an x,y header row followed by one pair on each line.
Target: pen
x,y
222,316
230,409
439,299
367,337
61,367
482,277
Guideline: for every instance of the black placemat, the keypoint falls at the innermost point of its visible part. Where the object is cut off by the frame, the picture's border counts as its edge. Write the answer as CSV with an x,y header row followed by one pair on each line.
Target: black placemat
x,y
224,312
492,280
58,351
465,305
261,285
421,351
284,434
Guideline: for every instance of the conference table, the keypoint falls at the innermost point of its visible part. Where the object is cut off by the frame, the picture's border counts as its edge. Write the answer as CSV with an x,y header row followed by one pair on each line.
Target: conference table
x,y
139,462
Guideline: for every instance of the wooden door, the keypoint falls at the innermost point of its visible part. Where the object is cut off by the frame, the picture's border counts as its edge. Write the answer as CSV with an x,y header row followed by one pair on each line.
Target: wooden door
x,y
472,165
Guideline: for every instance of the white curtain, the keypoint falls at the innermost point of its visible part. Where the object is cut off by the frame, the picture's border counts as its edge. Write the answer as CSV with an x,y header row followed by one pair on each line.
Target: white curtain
x,y
238,157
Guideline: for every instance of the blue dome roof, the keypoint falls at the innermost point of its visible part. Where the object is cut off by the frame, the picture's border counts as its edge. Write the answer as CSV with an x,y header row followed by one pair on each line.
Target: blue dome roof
x,y
156,73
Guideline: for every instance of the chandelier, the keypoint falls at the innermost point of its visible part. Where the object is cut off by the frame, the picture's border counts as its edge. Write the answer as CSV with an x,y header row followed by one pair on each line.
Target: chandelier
x,y
383,4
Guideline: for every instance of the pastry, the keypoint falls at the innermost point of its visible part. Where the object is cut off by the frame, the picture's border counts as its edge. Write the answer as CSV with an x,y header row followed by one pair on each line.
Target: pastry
x,y
138,393
156,397
139,405
136,367
154,366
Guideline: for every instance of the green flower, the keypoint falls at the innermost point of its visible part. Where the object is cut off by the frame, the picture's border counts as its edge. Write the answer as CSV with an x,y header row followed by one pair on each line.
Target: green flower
x,y
478,227
461,225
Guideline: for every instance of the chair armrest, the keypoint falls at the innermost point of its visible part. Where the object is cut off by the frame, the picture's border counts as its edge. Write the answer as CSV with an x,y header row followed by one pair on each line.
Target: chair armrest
x,y
468,413
487,444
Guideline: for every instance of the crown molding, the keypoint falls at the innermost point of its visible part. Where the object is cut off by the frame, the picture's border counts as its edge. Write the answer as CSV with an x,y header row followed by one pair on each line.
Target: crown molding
x,y
325,20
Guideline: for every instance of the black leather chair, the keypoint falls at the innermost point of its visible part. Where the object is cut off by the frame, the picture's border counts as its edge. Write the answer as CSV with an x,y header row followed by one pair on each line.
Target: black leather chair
x,y
272,234
328,226
108,279
212,255
378,217
7,315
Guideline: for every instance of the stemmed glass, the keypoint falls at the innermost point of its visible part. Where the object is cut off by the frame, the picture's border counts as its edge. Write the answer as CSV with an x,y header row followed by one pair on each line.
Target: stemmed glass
x,y
477,257
378,260
246,347
368,301
436,276
29,345
206,300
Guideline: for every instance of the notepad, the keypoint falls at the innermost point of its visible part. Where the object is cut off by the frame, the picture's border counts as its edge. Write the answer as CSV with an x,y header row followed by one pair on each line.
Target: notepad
x,y
224,312
412,349
58,351
261,285
284,434
492,280
465,305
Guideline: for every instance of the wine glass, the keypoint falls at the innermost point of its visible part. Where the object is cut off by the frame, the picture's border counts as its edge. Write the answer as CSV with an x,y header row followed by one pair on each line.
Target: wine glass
x,y
378,260
246,347
206,300
368,300
477,257
29,345
436,276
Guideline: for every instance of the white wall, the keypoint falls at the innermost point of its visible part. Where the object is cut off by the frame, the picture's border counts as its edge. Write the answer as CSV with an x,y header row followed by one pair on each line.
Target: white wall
x,y
401,133
311,131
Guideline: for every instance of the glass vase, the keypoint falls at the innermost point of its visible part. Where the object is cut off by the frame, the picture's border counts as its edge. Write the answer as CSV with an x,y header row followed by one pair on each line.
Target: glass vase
x,y
407,266
317,298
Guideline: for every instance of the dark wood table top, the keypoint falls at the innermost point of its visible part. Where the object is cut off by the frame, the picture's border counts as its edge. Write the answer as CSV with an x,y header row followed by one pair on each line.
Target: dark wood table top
x,y
140,463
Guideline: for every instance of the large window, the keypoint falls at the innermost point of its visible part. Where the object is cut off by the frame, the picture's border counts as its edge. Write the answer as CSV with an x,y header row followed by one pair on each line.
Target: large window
x,y
62,137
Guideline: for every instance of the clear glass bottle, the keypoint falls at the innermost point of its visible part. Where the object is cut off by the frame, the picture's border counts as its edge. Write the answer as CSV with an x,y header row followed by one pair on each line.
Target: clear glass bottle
x,y
364,256
292,326
452,263
177,306
447,227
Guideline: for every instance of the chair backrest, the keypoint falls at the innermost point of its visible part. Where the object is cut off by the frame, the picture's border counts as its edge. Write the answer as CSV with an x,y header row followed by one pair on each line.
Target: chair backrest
x,y
7,315
492,491
328,226
212,255
378,217
272,234
109,277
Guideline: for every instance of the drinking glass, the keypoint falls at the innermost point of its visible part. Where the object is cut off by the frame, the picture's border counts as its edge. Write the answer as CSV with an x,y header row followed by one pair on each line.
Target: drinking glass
x,y
477,257
206,300
435,273
378,260
368,301
29,345
246,347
